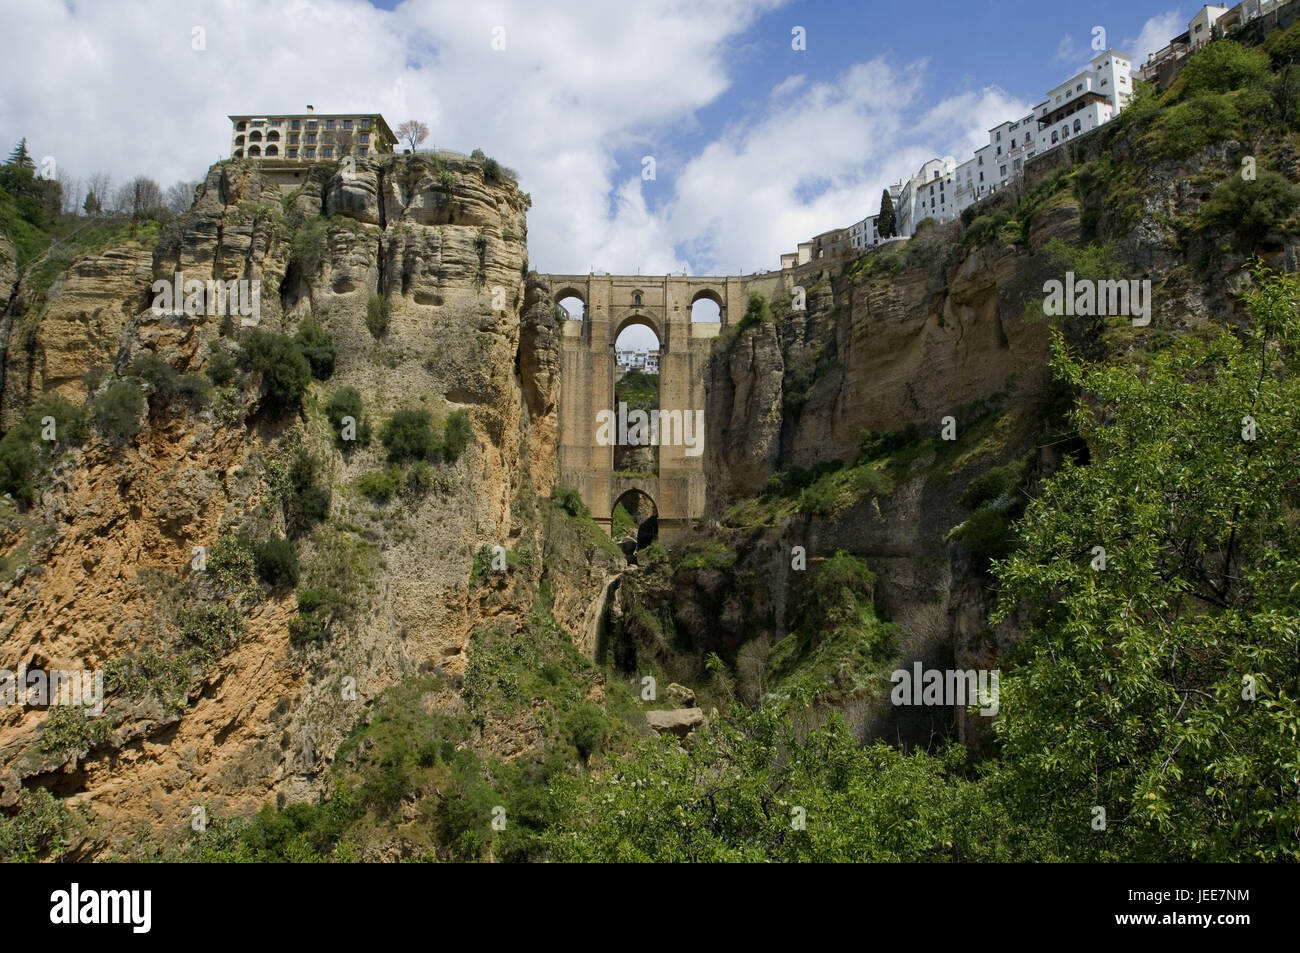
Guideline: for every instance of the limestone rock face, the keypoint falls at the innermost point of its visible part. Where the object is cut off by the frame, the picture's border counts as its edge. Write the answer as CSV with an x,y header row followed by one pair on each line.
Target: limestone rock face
x,y
109,543
77,326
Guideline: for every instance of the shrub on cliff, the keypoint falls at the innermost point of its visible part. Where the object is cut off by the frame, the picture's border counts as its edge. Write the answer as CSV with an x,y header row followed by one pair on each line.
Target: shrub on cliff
x,y
1250,208
285,372
408,435
457,432
116,412
377,316
346,402
317,345
277,563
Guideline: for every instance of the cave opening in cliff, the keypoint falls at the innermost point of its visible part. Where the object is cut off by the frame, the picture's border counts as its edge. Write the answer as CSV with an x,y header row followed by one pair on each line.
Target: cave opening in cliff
x,y
634,523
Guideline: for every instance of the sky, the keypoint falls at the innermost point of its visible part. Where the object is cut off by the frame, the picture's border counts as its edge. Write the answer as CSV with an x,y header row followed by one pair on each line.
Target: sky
x,y
754,145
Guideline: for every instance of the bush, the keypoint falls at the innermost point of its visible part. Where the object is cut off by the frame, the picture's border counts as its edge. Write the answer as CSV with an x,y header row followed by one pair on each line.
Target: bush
x,y
757,311
285,372
309,243
872,445
212,628
346,402
380,485
308,500
570,501
164,381
842,583
116,412
421,478
231,562
491,170
408,435
1223,66
588,728
221,368
1250,208
377,316
305,629
19,464
318,347
277,562
457,431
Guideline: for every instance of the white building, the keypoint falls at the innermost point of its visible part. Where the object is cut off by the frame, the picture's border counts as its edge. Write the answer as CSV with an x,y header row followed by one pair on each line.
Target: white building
x,y
1086,100
652,362
864,234
928,194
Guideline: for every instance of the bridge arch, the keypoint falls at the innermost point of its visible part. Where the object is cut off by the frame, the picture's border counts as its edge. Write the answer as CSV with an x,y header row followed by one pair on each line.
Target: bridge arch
x,y
712,295
633,318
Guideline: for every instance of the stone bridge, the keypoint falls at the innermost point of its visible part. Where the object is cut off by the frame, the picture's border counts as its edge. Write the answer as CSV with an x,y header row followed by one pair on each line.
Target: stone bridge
x,y
613,303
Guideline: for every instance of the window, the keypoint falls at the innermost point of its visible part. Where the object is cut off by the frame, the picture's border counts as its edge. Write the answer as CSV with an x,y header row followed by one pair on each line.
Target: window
x,y
1055,137
347,123
1103,82
365,138
636,300
327,153
329,123
999,150
999,137
294,125
311,138
241,126
311,153
1013,143
293,153
293,138
981,162
981,176
311,125
1123,80
365,123
1079,88
1078,126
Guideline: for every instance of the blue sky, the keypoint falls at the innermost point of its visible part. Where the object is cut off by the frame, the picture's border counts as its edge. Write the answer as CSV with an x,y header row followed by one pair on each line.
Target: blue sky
x,y
756,146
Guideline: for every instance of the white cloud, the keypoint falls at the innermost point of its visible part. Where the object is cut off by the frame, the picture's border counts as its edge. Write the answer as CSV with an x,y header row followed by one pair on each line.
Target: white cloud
x,y
577,90
1155,36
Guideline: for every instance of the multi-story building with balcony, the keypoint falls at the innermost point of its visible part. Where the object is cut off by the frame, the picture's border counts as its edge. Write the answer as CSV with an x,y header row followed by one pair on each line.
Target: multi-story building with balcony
x,y
1086,100
310,136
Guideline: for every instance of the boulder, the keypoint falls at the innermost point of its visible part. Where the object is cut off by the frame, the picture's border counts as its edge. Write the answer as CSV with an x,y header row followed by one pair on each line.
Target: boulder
x,y
678,721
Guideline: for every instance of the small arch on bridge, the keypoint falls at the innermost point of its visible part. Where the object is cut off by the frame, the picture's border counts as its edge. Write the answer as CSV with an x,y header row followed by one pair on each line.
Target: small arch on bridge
x,y
707,306
573,301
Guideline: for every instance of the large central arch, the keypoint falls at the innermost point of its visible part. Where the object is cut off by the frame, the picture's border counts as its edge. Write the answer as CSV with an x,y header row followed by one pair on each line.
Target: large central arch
x,y
613,303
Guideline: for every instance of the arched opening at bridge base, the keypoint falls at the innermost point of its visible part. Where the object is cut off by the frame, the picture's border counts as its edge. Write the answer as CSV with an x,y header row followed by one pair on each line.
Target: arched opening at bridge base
x,y
634,523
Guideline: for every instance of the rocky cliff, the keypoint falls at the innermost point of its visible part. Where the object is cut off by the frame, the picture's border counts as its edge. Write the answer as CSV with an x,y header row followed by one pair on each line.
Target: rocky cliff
x,y
105,555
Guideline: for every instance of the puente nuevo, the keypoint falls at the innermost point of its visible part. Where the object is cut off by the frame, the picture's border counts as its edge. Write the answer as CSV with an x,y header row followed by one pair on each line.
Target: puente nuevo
x,y
613,303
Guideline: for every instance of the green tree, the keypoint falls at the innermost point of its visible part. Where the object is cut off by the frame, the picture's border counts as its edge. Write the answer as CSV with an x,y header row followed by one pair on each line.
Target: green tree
x,y
285,371
1159,686
408,435
20,157
886,224
92,205
317,345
